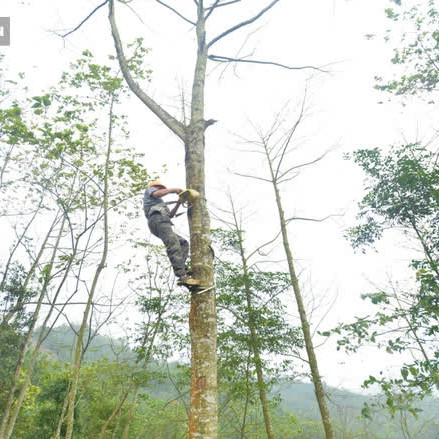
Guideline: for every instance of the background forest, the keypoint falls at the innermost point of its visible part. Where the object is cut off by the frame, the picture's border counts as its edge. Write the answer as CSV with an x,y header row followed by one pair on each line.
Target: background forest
x,y
98,341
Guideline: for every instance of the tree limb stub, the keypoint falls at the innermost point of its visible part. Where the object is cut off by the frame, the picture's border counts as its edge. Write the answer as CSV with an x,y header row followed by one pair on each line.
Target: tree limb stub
x,y
208,123
219,58
173,124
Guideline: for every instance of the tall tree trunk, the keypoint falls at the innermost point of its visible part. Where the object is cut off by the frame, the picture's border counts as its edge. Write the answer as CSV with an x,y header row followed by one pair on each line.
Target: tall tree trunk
x,y
202,318
312,359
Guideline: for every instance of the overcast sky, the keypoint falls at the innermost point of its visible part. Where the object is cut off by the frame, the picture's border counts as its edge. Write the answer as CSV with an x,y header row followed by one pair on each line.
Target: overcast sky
x,y
344,114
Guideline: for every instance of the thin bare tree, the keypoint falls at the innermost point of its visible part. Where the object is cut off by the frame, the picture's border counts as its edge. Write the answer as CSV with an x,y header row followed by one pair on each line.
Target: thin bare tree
x,y
275,147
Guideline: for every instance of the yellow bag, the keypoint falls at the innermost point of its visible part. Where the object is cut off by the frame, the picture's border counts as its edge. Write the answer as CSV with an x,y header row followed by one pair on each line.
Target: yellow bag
x,y
188,196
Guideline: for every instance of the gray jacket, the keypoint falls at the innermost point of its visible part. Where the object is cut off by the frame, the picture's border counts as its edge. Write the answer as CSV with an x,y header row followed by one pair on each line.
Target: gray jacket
x,y
153,205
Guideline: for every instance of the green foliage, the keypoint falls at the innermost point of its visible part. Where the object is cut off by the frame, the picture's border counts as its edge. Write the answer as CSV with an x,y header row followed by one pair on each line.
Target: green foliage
x,y
276,335
159,413
402,191
102,385
136,62
61,141
13,325
53,380
11,343
252,331
14,297
402,194
419,54
163,330
55,153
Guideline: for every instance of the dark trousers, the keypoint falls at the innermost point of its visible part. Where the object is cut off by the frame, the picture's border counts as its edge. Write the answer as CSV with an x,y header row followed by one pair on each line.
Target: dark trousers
x,y
177,247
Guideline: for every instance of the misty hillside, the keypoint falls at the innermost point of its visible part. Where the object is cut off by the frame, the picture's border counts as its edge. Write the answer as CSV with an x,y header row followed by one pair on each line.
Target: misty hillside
x,y
297,398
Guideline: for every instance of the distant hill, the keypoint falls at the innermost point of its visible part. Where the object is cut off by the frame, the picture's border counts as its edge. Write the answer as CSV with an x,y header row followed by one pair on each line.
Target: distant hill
x,y
299,398
61,343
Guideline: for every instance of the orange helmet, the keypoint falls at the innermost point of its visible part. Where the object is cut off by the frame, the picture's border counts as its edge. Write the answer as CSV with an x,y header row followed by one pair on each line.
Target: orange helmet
x,y
156,183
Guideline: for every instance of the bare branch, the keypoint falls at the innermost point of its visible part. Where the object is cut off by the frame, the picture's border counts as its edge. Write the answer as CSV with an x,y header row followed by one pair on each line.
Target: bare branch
x,y
219,58
132,10
323,317
173,124
242,24
176,12
95,304
211,9
302,165
253,176
317,220
257,250
85,19
285,180
246,40
180,394
290,135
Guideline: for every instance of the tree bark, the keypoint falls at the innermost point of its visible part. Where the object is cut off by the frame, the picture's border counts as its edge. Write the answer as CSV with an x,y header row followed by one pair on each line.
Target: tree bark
x,y
202,318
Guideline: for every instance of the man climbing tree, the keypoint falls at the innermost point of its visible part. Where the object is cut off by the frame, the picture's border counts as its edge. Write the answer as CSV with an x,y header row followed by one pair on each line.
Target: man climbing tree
x,y
159,222
203,417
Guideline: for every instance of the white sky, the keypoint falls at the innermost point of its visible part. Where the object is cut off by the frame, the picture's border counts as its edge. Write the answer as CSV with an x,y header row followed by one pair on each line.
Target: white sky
x,y
345,112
